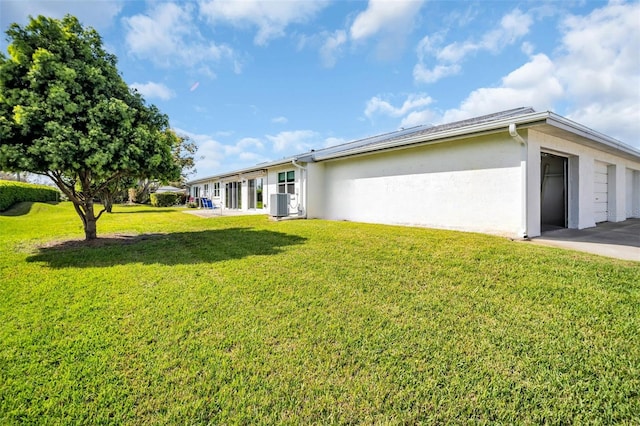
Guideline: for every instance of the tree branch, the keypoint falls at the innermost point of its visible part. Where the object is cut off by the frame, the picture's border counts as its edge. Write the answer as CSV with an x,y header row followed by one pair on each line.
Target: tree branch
x,y
56,177
100,214
81,213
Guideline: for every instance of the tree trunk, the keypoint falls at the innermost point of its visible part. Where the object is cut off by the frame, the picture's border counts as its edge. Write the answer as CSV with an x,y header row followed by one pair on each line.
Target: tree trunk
x,y
90,230
107,201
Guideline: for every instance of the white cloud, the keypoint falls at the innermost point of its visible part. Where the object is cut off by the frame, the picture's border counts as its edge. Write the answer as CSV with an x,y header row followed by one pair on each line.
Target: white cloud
x,y
295,141
513,26
249,143
215,157
377,105
600,68
271,18
332,47
389,21
154,90
425,75
168,36
418,118
210,156
595,73
384,16
279,120
97,14
527,48
533,84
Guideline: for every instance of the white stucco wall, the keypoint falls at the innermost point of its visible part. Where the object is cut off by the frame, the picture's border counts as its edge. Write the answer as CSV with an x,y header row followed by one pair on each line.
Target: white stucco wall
x,y
472,185
316,189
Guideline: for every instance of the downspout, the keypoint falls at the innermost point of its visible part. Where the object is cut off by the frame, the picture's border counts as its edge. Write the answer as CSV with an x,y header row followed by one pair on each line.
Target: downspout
x,y
525,172
303,187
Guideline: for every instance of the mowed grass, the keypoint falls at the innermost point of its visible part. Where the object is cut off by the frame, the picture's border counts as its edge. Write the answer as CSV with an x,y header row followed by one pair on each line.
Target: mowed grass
x,y
176,319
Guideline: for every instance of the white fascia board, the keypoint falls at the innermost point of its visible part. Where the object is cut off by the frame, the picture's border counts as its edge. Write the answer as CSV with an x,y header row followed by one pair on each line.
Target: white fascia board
x,y
587,133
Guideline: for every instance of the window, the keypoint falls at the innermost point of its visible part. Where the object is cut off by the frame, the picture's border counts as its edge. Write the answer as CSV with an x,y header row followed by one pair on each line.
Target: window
x,y
286,182
216,189
206,190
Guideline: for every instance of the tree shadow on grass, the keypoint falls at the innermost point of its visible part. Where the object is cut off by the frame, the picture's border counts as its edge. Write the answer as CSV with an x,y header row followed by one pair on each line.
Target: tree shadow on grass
x,y
177,248
24,207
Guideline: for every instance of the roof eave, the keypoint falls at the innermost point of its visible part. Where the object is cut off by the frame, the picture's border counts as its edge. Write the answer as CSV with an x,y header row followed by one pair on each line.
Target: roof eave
x,y
442,136
587,133
526,120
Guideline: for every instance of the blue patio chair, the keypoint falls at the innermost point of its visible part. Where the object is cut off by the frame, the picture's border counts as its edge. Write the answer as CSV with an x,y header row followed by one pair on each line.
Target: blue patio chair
x,y
207,203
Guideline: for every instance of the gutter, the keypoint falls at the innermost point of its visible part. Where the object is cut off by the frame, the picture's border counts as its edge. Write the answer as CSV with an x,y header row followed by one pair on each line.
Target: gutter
x,y
303,188
587,133
513,132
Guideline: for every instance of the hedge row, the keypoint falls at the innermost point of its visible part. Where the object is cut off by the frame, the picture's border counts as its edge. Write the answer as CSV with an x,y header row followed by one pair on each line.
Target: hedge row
x,y
164,199
16,192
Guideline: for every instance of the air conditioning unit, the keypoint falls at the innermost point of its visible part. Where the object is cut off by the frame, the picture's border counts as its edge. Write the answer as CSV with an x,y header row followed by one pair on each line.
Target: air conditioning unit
x,y
279,205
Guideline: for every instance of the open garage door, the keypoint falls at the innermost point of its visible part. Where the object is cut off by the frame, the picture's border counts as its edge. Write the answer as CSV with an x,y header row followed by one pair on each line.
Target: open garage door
x,y
600,192
553,191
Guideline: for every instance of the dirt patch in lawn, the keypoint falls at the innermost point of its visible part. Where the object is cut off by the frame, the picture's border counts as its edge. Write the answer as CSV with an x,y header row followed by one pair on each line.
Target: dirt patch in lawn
x,y
102,241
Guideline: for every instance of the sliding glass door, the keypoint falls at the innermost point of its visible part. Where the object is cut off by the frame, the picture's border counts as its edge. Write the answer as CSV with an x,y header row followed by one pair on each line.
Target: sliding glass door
x,y
233,195
255,193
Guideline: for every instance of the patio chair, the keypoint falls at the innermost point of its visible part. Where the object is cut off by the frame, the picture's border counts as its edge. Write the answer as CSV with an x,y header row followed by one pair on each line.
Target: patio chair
x,y
207,203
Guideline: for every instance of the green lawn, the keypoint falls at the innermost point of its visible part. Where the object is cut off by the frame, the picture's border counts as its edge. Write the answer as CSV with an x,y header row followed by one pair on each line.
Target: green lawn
x,y
175,319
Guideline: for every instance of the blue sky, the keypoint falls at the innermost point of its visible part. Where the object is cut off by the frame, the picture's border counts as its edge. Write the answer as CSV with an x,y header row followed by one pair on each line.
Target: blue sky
x,y
252,81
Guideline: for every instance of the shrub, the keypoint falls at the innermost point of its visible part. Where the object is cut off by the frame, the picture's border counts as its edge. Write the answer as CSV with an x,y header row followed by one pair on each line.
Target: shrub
x,y
16,192
164,199
182,198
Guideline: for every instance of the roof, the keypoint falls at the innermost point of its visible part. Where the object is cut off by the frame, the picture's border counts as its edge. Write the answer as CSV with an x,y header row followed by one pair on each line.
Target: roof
x,y
409,134
169,189
523,117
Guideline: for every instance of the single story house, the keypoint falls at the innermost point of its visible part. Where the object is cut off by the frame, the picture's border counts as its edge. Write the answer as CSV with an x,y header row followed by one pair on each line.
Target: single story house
x,y
514,173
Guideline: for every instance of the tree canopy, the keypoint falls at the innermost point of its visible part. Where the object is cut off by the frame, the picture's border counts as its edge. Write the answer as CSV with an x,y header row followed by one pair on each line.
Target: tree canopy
x,y
66,112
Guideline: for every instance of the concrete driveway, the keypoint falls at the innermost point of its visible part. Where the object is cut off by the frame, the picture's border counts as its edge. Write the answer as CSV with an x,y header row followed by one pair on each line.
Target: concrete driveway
x,y
613,239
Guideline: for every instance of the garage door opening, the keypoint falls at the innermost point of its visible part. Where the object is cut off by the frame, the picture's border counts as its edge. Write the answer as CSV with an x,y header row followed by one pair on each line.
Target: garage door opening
x,y
600,192
553,192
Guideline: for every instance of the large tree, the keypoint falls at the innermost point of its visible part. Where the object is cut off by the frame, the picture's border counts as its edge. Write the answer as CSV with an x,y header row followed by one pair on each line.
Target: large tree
x,y
66,112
